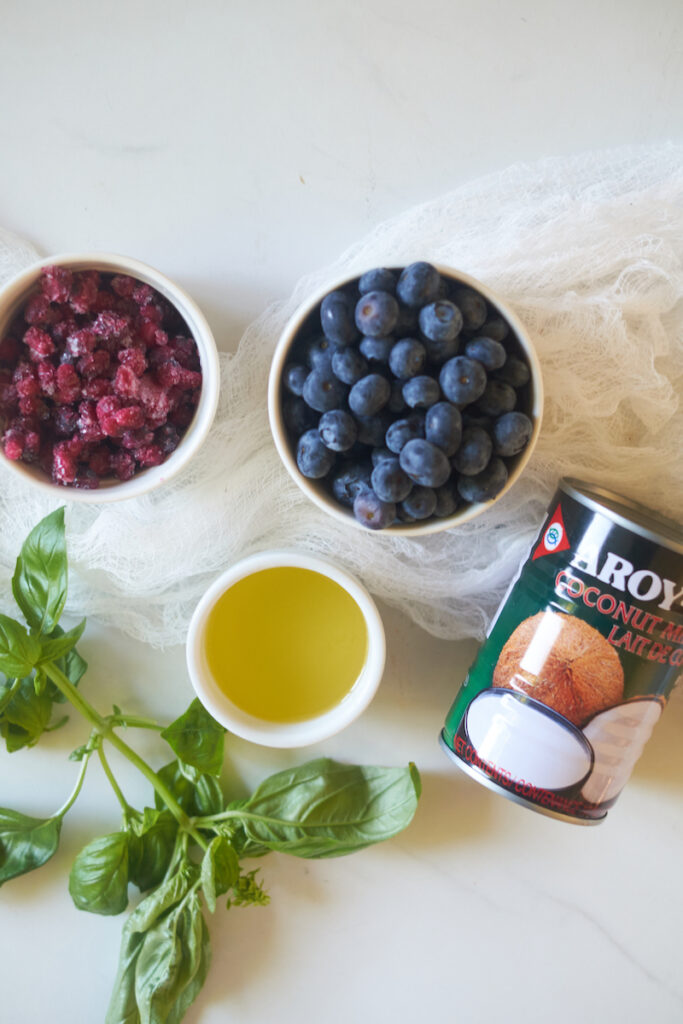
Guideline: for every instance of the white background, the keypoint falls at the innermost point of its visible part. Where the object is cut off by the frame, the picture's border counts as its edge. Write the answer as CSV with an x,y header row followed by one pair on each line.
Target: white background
x,y
236,146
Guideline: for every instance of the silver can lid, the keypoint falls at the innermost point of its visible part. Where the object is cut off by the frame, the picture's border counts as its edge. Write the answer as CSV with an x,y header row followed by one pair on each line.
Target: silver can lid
x,y
626,512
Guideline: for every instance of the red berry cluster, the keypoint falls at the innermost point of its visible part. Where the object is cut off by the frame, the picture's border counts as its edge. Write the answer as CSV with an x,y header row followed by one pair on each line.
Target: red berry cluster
x,y
99,378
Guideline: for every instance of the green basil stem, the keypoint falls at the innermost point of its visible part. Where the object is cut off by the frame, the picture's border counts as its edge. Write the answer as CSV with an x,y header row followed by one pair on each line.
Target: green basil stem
x,y
125,806
103,726
76,790
134,722
16,683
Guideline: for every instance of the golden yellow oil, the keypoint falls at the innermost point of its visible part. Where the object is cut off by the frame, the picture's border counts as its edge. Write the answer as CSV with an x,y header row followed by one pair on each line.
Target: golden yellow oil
x,y
285,644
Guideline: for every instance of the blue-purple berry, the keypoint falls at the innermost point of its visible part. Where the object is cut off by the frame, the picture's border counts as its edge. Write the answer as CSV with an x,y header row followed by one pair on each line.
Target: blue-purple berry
x,y
421,392
462,380
407,358
420,503
372,512
474,453
322,391
486,485
402,431
376,314
440,321
418,284
312,457
389,482
378,280
338,430
424,463
486,351
337,318
443,427
369,395
511,433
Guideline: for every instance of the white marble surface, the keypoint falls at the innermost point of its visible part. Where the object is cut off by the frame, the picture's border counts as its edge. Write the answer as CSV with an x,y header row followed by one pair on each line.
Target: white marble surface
x,y
235,146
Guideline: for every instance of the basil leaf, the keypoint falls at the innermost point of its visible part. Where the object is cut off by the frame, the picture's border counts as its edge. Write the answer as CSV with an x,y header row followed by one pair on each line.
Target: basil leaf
x,y
199,798
19,651
326,809
150,848
71,664
26,716
172,964
98,881
39,583
162,899
220,870
54,648
25,843
197,739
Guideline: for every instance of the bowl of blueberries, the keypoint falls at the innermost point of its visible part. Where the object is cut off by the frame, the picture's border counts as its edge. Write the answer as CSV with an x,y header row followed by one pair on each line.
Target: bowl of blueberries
x,y
405,399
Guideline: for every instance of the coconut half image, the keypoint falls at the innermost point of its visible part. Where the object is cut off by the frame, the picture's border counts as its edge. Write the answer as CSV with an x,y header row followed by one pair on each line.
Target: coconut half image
x,y
563,662
617,737
531,742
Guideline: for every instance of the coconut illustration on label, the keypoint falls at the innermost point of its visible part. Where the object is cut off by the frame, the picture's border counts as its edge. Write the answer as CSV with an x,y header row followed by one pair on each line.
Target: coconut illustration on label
x,y
562,662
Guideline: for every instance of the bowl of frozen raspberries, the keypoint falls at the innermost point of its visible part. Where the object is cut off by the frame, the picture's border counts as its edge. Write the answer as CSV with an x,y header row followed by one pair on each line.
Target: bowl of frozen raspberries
x,y
109,376
405,399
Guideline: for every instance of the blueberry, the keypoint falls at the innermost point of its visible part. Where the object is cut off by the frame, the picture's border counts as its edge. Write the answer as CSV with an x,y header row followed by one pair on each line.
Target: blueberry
x,y
497,398
376,314
348,365
389,482
440,321
336,318
322,390
462,380
402,431
337,430
511,433
372,429
372,512
378,280
472,306
420,503
424,463
486,351
418,284
474,452
446,499
443,427
421,392
312,457
376,350
403,516
297,415
495,328
485,485
515,372
350,480
318,352
293,378
397,402
407,358
369,395
378,455
439,352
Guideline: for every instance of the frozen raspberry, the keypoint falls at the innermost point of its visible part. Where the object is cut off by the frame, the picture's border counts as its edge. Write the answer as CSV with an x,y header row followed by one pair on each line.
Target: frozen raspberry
x,y
56,283
134,359
63,328
123,285
26,380
65,421
94,364
87,480
8,391
88,423
134,439
39,311
80,343
167,437
68,385
39,342
47,375
106,410
123,465
182,416
130,418
185,351
126,383
64,465
98,387
33,406
13,444
154,400
150,455
142,293
152,334
151,312
100,462
110,325
84,291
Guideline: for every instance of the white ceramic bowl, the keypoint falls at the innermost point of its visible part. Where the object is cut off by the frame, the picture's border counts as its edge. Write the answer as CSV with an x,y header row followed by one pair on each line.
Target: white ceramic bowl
x,y
316,490
289,734
15,293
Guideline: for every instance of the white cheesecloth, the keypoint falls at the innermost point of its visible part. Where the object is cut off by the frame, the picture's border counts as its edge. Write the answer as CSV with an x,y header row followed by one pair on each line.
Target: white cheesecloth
x,y
588,251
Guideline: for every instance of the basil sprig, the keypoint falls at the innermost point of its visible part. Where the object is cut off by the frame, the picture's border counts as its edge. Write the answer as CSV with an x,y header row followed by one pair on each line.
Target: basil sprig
x,y
186,852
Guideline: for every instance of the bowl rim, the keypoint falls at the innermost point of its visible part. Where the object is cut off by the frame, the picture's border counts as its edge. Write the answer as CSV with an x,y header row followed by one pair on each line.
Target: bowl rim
x,y
286,734
13,292
328,505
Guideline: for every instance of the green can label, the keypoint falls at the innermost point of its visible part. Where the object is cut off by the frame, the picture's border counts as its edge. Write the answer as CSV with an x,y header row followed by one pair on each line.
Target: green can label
x,y
579,661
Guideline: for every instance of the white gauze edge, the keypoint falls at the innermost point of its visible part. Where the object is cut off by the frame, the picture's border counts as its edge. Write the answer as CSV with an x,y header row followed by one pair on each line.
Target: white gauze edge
x,y
588,251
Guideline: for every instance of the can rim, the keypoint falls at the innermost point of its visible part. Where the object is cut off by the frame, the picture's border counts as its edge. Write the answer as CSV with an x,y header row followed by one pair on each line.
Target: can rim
x,y
626,512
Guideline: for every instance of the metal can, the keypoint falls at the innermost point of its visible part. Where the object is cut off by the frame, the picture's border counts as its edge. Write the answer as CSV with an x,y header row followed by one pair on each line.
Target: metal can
x,y
579,660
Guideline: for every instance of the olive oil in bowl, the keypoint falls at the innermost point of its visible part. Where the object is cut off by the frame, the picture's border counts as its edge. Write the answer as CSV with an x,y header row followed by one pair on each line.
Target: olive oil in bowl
x,y
285,644
285,649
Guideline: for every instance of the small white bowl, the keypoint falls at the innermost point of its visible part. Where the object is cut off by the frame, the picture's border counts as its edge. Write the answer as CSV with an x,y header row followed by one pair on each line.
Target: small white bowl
x,y
287,734
316,490
15,293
